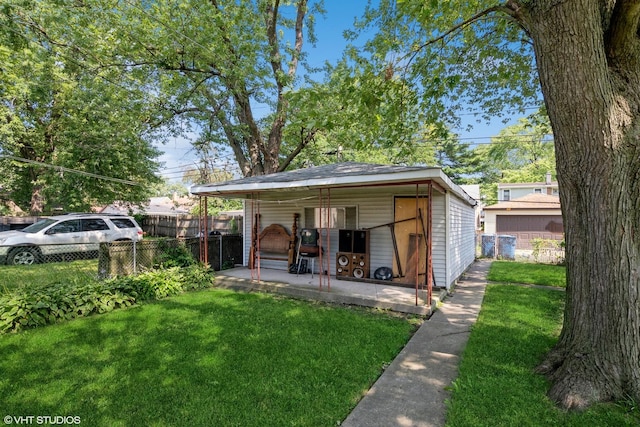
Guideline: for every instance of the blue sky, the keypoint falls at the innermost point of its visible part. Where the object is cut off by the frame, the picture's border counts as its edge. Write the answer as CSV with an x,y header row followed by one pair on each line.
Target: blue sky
x,y
329,29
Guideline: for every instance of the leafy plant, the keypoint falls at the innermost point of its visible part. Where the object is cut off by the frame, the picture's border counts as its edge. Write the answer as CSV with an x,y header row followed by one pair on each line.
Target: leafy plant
x,y
174,254
549,247
29,307
157,284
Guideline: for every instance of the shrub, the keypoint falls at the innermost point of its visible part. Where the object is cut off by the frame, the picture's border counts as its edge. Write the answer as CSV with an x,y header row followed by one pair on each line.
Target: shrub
x,y
31,307
156,284
549,248
38,306
174,254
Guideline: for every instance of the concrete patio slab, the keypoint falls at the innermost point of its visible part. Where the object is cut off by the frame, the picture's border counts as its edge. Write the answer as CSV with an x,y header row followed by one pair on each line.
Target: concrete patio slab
x,y
331,290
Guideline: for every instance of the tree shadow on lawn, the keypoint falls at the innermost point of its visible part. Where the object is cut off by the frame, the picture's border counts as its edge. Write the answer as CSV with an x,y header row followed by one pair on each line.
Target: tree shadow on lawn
x,y
207,358
497,384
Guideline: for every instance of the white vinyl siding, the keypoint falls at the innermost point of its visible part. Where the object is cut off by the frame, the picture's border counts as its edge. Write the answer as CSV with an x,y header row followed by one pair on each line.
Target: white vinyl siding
x,y
439,242
461,239
517,192
375,207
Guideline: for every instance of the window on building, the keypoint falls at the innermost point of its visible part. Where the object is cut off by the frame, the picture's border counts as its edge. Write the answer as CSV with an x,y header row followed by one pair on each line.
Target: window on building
x,y
537,190
341,217
506,195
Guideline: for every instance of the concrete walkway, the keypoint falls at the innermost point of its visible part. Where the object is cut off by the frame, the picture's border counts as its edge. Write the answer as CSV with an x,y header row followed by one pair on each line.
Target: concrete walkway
x,y
412,390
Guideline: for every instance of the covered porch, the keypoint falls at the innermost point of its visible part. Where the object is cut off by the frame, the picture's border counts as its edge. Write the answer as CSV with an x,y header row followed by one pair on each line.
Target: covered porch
x,y
411,224
316,288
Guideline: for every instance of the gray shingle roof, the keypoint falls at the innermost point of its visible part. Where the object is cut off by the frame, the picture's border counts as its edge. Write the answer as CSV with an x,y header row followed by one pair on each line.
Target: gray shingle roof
x,y
334,170
334,175
530,201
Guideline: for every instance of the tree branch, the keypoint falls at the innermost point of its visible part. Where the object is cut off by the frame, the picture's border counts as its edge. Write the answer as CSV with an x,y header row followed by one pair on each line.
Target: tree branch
x,y
302,10
462,24
509,9
241,97
306,137
271,20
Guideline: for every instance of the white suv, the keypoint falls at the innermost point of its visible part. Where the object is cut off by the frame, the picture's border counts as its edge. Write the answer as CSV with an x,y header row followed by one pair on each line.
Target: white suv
x,y
65,234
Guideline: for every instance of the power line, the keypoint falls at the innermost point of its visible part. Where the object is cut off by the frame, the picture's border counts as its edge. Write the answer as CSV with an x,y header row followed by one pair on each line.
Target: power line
x,y
64,169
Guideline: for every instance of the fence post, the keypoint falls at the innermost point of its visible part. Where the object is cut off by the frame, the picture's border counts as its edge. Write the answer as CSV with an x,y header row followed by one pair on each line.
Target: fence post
x,y
135,257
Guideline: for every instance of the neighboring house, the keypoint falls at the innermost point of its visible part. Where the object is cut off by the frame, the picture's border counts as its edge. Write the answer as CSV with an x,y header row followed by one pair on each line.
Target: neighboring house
x,y
381,212
171,217
16,218
155,206
528,217
510,191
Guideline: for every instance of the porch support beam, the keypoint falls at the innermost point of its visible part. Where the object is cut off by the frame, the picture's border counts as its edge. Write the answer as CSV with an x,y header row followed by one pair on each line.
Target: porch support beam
x,y
430,244
417,240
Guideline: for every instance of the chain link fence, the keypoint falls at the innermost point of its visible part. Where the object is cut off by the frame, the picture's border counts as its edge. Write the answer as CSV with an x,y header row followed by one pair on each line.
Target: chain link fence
x,y
125,258
80,263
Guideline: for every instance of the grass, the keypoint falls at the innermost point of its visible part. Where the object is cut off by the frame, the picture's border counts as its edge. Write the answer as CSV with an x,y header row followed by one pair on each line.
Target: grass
x,y
217,357
497,385
205,358
523,272
16,276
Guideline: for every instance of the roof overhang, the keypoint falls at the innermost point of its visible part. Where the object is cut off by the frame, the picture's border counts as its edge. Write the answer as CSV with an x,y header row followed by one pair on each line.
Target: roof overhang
x,y
336,176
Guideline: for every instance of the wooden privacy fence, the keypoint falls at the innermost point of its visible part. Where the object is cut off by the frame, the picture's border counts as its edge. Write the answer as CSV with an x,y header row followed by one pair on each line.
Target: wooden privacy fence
x,y
16,222
189,225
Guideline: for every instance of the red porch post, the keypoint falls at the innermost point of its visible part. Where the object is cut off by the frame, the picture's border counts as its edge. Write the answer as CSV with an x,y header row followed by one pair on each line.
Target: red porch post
x,y
429,244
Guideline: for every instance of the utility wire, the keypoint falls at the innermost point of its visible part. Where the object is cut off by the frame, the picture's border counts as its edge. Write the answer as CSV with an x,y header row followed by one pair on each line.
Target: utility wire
x,y
64,169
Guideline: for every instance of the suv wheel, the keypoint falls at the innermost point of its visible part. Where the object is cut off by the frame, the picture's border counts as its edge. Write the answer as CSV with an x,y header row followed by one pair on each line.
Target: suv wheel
x,y
24,256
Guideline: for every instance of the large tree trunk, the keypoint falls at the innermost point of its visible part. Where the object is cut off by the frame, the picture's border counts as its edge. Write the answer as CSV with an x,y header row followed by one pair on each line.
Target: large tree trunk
x,y
587,57
36,205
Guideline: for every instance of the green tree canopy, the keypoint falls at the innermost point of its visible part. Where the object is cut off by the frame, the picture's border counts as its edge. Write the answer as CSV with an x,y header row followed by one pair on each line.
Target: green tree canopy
x,y
221,68
70,138
523,152
583,57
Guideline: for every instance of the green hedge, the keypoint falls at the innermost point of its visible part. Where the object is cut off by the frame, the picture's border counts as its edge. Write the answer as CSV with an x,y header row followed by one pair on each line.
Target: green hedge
x,y
31,307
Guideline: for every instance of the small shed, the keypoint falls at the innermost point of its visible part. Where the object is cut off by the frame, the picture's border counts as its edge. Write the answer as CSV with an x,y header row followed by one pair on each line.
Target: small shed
x,y
411,222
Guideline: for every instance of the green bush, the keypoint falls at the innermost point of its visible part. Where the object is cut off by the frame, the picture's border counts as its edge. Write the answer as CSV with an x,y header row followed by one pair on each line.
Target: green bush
x,y
38,306
156,284
31,307
174,254
550,247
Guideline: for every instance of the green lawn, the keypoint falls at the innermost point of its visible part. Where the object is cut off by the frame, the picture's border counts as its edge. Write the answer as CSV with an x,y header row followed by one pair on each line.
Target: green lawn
x,y
524,272
497,385
217,357
209,358
15,276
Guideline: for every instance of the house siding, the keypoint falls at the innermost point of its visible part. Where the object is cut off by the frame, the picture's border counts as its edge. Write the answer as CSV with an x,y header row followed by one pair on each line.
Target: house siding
x,y
461,239
375,208
439,242
522,190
